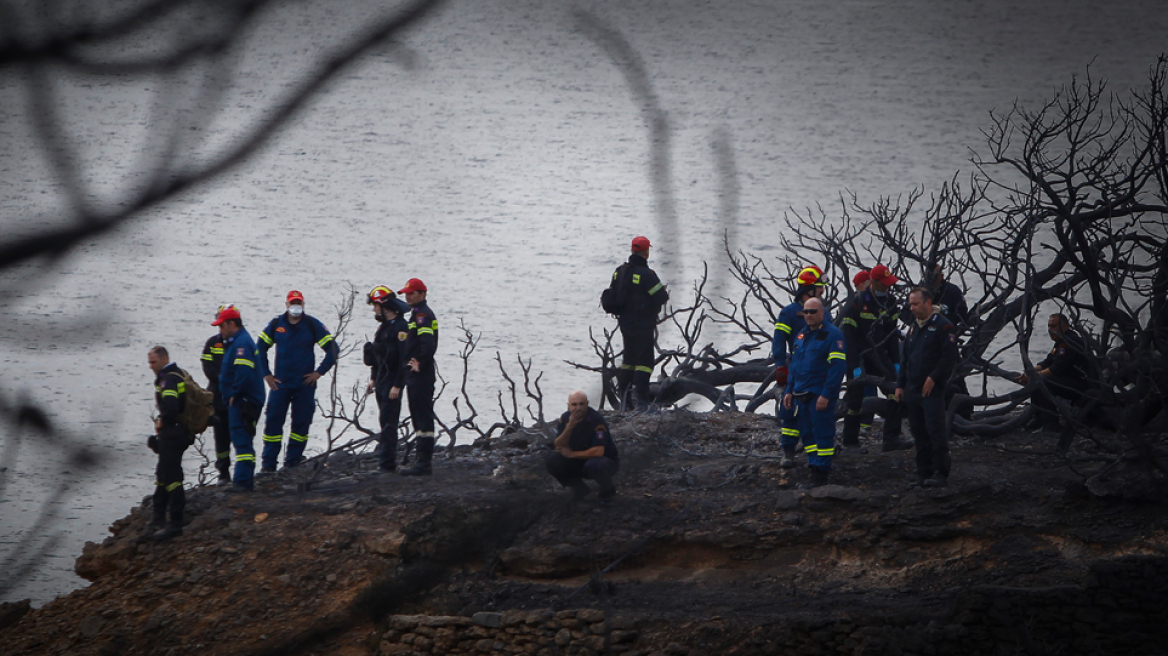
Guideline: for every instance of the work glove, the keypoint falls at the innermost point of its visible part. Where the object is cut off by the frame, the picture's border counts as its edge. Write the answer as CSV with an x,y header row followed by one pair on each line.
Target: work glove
x,y
857,372
152,442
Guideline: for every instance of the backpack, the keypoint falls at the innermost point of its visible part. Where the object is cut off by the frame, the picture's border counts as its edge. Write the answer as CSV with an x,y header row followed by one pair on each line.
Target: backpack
x,y
614,298
198,408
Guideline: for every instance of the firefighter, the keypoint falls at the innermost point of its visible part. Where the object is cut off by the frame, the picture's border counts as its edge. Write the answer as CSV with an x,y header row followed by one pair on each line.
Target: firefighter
x,y
169,441
788,325
642,297
930,355
294,334
212,360
869,324
418,374
950,303
584,449
242,386
385,356
1066,370
818,365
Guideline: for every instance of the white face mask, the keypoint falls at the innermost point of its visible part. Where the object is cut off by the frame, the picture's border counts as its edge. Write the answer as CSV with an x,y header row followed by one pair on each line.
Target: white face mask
x,y
295,310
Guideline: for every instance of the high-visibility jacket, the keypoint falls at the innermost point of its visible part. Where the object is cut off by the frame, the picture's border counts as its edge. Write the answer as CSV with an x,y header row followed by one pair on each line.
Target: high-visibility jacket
x,y
294,342
869,324
645,295
421,344
818,362
241,377
170,394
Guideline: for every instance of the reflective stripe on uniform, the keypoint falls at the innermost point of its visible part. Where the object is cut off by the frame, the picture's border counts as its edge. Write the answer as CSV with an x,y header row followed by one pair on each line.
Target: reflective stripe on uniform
x,y
636,278
849,322
827,452
298,438
245,361
425,331
216,351
222,454
245,457
264,336
173,486
655,289
783,327
172,393
836,355
325,340
810,449
793,432
182,387
273,438
868,315
626,366
647,370
208,357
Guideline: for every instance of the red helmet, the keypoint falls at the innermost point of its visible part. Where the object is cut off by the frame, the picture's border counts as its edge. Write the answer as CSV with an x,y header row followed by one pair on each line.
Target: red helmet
x,y
379,295
226,312
811,275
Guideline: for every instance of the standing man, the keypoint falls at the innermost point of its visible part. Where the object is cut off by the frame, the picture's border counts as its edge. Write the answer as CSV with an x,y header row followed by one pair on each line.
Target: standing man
x,y
242,386
419,373
818,365
643,295
1065,370
212,361
385,356
873,339
930,354
584,449
950,303
809,284
294,334
169,441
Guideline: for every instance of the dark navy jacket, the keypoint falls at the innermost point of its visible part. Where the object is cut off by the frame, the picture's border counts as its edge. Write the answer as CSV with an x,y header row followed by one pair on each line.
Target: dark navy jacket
x,y
421,344
212,360
241,377
928,352
385,355
787,326
1068,358
869,319
170,394
589,433
952,302
646,294
818,362
294,343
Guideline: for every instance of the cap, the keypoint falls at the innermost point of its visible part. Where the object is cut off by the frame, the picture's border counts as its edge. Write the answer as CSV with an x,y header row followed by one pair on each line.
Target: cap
x,y
861,278
641,244
811,275
882,275
414,285
295,296
225,313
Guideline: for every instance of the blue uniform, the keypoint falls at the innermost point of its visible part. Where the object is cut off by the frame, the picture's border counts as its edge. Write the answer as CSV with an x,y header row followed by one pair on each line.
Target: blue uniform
x,y
789,324
818,365
242,387
295,358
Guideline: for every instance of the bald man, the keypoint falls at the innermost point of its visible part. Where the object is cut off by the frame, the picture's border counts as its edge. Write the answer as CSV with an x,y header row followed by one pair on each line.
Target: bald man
x,y
584,449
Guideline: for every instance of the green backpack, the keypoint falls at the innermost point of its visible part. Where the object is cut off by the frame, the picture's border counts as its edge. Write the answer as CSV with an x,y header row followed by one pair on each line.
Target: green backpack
x,y
199,407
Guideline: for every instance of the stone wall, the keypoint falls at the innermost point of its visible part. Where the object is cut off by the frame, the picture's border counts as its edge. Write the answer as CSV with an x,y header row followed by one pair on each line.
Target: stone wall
x,y
578,632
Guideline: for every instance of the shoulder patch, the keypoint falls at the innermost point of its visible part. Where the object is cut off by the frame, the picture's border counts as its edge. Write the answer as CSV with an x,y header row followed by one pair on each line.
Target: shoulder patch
x,y
281,329
241,351
402,336
839,344
952,338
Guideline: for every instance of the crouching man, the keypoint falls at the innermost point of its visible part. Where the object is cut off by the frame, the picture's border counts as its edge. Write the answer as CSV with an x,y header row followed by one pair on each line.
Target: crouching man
x,y
584,449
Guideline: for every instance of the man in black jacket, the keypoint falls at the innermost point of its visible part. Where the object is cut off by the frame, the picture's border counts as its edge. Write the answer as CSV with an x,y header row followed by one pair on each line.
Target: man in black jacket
x,y
584,449
169,441
212,360
643,296
418,374
929,354
385,356
1065,370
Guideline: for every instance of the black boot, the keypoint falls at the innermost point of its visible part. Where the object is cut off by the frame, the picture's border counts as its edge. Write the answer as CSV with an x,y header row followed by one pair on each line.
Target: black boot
x,y
425,454
788,461
169,532
387,456
851,436
818,479
894,443
173,529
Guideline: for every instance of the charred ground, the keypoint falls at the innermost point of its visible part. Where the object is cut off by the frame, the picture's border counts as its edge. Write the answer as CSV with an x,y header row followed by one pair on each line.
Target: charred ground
x,y
709,548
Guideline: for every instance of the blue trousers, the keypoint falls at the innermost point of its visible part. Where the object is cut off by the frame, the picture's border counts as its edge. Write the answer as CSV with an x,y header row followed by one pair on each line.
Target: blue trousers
x,y
303,402
241,418
816,428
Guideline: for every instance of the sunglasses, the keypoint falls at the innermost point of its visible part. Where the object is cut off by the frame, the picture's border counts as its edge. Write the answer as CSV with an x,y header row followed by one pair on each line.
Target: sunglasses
x,y
812,311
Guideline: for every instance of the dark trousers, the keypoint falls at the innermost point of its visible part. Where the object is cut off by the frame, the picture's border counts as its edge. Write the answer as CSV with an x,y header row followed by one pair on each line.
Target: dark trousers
x,y
168,475
420,388
636,363
302,399
571,472
926,419
222,432
242,418
388,413
854,402
1070,389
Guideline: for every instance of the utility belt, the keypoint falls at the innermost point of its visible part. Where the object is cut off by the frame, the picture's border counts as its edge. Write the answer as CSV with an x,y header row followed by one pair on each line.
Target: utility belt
x,y
805,397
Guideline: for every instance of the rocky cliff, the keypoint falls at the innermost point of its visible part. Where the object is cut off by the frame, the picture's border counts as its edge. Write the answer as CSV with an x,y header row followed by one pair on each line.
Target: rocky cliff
x,y
708,549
